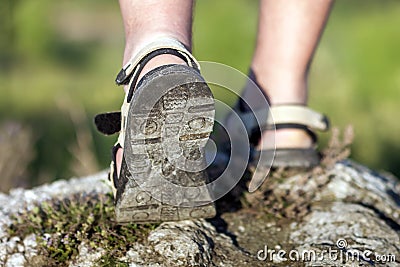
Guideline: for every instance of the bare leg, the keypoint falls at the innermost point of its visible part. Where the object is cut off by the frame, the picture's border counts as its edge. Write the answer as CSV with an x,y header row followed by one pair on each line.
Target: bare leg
x,y
288,34
145,21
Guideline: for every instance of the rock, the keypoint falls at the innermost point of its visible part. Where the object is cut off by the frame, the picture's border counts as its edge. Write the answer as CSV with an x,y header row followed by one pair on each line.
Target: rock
x,y
16,259
345,215
86,256
357,215
186,243
348,231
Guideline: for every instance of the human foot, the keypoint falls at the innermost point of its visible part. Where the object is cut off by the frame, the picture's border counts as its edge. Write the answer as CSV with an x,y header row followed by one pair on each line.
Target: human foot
x,y
285,138
165,123
293,143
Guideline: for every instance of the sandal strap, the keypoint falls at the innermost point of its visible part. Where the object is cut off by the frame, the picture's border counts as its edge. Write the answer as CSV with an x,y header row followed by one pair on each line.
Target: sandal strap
x,y
290,116
110,123
129,74
283,116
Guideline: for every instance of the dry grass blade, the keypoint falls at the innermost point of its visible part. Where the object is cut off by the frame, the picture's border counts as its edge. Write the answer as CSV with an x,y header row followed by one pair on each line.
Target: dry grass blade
x,y
16,152
85,161
338,148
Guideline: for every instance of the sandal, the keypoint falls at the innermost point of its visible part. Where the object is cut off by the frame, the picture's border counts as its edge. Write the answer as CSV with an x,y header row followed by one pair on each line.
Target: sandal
x,y
280,117
295,117
164,124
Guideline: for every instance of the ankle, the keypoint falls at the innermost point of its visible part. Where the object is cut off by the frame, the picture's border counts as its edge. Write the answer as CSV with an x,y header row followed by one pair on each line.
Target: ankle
x,y
157,61
282,86
138,48
285,138
135,44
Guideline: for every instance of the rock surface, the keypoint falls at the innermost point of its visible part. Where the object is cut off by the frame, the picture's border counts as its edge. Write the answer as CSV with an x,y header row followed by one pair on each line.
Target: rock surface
x,y
345,216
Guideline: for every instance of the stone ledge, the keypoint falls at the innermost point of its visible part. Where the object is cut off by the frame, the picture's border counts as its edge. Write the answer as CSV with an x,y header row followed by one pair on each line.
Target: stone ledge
x,y
353,204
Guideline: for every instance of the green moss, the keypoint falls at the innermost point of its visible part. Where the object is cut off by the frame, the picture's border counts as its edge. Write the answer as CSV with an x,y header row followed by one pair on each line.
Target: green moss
x,y
62,225
109,260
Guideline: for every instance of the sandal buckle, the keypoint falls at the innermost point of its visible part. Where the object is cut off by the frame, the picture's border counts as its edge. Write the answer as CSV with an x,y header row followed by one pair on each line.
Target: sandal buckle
x,y
122,76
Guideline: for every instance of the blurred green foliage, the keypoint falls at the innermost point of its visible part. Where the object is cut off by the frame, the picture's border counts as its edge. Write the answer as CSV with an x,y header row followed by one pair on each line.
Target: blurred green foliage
x,y
57,52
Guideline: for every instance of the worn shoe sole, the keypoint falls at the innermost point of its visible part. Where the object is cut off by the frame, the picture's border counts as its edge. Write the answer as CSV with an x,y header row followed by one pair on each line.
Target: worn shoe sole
x,y
162,175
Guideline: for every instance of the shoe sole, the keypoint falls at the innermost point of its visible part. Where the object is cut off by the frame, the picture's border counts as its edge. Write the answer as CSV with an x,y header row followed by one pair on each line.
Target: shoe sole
x,y
160,176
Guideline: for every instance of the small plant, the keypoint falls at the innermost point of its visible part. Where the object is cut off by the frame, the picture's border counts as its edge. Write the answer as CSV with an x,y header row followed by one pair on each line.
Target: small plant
x,y
62,225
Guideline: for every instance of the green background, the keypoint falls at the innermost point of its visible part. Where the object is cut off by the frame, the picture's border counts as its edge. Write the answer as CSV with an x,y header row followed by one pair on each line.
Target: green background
x,y
58,60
